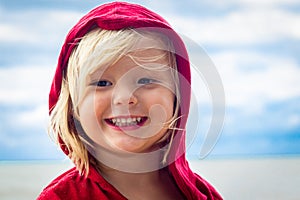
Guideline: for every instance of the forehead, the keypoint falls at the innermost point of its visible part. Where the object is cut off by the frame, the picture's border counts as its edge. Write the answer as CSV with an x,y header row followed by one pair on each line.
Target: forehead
x,y
150,42
100,51
151,61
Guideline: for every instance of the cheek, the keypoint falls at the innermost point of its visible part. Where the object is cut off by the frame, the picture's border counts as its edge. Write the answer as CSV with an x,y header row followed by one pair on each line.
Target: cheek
x,y
168,103
91,112
86,113
163,98
93,105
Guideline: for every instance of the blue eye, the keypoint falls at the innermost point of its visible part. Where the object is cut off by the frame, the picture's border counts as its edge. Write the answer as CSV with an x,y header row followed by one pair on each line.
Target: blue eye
x,y
103,83
146,81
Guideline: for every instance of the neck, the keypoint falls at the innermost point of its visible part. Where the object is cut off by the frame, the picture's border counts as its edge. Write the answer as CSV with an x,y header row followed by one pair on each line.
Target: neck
x,y
148,185
132,163
119,178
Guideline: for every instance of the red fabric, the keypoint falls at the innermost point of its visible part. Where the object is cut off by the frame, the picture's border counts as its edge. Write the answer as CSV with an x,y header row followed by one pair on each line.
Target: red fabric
x,y
71,185
115,16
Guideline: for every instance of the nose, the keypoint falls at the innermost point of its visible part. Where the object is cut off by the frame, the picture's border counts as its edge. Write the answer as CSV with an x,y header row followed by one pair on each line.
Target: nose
x,y
124,95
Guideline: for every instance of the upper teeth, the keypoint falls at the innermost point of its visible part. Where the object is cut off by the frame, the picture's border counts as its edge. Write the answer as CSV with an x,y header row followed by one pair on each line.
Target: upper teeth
x,y
126,121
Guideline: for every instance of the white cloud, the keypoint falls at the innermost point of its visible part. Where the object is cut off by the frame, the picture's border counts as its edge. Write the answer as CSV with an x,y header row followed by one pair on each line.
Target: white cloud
x,y
241,27
36,26
35,117
253,84
293,120
24,89
25,85
252,79
268,3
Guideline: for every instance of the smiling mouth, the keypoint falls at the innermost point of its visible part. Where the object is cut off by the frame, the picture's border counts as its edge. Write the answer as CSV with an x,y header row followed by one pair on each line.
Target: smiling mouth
x,y
126,121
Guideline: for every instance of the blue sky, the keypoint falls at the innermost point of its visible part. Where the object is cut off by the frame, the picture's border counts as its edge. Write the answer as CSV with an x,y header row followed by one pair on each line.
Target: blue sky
x,y
255,46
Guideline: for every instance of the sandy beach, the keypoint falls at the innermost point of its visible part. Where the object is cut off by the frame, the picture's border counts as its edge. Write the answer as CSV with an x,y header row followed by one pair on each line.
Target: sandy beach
x,y
249,179
253,178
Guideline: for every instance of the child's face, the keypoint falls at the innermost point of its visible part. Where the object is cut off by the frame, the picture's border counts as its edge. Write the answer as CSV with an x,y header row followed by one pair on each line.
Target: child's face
x,y
127,107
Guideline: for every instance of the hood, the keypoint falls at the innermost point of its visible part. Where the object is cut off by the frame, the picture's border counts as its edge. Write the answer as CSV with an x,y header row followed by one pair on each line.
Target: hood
x,y
120,15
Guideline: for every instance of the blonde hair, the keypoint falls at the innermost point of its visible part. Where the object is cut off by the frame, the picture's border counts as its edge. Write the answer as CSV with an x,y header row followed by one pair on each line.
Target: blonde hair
x,y
100,48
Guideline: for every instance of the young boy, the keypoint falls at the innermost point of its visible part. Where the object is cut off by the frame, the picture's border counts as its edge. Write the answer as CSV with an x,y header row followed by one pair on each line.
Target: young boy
x,y
118,104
